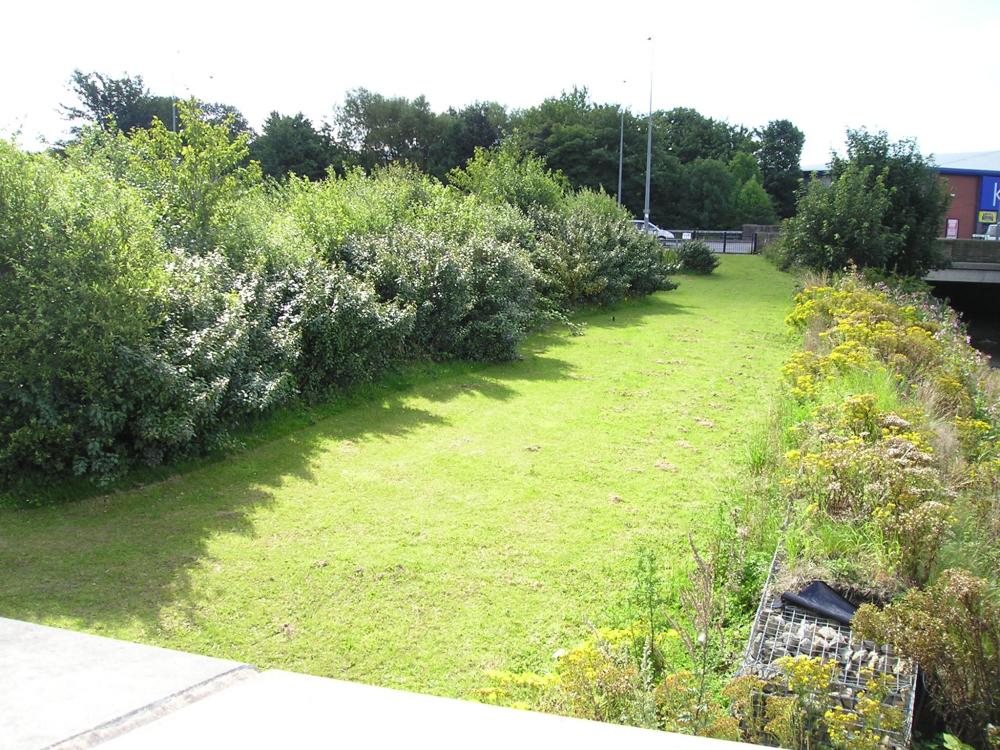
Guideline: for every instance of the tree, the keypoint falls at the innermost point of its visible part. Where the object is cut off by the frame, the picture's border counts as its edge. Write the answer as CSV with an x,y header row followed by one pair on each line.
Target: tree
x,y
290,144
744,167
217,113
690,135
479,125
506,175
125,104
376,130
841,223
779,154
708,195
581,139
114,103
194,176
578,138
918,200
752,205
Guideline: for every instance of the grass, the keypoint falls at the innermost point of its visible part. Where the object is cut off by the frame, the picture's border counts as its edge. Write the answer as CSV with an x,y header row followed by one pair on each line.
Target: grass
x,y
472,518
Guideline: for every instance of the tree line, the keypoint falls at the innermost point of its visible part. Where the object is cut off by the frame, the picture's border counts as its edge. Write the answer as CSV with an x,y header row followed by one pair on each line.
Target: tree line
x,y
706,173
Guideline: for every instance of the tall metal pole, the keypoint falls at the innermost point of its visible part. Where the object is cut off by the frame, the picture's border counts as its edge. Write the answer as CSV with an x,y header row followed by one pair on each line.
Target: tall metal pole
x,y
621,154
649,133
173,95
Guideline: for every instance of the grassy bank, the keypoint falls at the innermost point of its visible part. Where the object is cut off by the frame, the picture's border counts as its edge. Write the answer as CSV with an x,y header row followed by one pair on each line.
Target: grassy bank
x,y
474,519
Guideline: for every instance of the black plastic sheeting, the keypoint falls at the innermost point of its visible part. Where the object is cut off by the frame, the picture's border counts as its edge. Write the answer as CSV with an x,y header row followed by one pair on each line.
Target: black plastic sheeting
x,y
822,600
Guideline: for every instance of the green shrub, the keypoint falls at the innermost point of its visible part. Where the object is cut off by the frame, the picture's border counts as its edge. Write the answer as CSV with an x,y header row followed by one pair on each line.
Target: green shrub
x,y
82,274
333,213
191,178
156,292
696,256
505,175
472,300
346,333
839,224
589,253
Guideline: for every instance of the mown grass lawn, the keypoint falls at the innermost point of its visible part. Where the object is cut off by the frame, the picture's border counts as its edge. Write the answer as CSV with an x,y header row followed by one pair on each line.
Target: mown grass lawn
x,y
475,518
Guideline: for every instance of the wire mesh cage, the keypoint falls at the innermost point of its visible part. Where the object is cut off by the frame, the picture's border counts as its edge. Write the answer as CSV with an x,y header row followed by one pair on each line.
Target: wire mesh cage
x,y
785,630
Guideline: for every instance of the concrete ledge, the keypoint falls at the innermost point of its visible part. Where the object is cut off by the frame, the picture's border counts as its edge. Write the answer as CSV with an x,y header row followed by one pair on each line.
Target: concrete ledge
x,y
61,689
57,685
968,273
281,709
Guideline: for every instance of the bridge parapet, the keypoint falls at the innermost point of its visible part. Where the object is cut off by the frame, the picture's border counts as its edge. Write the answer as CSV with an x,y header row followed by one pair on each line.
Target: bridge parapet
x,y
971,251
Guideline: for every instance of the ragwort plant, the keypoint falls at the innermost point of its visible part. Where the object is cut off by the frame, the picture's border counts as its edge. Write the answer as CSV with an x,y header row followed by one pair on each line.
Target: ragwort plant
x,y
903,486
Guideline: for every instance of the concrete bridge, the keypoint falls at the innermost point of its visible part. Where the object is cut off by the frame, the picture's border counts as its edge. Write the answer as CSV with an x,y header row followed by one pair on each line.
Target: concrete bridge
x,y
972,262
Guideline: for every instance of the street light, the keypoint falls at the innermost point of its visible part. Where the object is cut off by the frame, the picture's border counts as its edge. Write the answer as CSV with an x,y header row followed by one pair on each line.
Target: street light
x,y
621,150
649,134
173,92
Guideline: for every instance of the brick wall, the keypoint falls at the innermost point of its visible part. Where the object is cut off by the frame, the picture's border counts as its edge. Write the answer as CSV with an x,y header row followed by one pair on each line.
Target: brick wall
x,y
965,189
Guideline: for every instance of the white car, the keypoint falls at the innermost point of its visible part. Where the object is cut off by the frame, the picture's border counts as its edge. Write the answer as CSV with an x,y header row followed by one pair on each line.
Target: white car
x,y
661,234
992,232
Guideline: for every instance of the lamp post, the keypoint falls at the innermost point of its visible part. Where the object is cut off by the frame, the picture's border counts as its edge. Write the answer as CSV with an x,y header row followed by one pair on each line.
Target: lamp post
x,y
649,134
173,93
621,150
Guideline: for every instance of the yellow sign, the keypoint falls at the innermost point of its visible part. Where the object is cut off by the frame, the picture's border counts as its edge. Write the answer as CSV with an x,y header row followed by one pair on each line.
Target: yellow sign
x,y
988,217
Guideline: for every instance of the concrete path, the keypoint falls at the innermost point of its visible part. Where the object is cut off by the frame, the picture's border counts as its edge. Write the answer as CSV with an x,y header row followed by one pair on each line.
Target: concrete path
x,y
60,689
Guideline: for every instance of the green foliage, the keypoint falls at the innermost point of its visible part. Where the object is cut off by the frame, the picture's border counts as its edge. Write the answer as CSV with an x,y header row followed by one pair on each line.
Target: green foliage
x,y
83,276
753,205
371,130
580,138
125,104
744,168
178,295
289,144
951,742
692,136
377,130
696,256
840,224
588,252
347,334
118,104
779,153
192,179
478,125
707,201
505,175
883,210
474,300
918,199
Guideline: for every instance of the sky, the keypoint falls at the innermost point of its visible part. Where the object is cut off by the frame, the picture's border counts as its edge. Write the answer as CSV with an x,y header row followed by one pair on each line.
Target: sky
x,y
923,70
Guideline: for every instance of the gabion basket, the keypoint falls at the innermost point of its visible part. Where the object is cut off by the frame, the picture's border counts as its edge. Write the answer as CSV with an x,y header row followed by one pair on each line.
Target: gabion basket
x,y
782,629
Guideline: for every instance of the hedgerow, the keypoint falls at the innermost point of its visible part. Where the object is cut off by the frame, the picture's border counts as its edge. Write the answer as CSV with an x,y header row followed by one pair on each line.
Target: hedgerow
x,y
156,292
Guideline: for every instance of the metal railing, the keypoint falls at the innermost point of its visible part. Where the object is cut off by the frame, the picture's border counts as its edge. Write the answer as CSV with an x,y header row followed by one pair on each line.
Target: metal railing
x,y
720,240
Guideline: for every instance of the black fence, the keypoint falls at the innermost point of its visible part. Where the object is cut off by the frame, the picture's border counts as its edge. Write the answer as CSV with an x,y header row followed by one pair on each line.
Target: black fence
x,y
720,240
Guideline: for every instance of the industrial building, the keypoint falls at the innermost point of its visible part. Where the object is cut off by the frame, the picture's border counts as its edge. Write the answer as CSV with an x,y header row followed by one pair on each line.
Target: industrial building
x,y
973,181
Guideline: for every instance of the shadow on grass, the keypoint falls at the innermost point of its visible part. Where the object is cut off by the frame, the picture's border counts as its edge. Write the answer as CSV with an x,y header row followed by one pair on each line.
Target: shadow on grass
x,y
117,560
